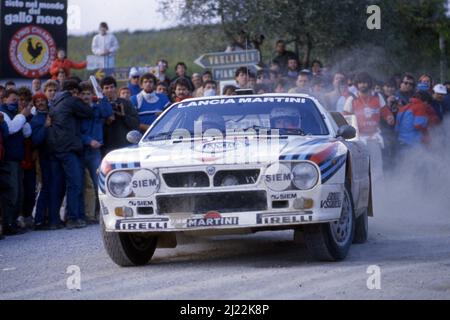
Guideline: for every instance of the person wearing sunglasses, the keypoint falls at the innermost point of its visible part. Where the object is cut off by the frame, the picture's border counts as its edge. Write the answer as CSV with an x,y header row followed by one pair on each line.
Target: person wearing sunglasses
x,y
133,83
406,91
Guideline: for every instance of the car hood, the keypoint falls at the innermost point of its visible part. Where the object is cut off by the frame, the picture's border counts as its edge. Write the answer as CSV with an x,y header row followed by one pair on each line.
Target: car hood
x,y
250,150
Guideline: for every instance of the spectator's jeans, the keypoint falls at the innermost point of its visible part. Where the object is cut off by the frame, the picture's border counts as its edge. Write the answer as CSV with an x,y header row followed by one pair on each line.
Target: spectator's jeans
x,y
66,170
11,175
44,195
28,197
92,159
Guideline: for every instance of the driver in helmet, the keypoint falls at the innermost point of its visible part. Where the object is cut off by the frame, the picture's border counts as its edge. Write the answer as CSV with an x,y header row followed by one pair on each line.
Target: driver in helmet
x,y
212,121
285,118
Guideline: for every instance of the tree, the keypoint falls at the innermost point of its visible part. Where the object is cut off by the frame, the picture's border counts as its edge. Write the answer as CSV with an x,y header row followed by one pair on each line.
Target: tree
x,y
329,29
306,23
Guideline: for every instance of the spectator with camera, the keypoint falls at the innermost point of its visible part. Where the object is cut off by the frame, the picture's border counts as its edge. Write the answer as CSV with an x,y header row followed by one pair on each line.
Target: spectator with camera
x,y
92,136
124,119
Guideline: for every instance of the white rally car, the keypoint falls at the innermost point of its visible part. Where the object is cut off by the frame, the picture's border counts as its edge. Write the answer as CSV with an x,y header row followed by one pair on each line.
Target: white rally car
x,y
240,164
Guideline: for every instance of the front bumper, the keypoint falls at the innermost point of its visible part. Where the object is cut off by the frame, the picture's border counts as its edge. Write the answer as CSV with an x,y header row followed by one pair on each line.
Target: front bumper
x,y
280,211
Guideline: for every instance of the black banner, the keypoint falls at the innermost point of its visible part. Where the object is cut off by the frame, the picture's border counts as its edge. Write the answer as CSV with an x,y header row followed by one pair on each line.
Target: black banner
x,y
31,31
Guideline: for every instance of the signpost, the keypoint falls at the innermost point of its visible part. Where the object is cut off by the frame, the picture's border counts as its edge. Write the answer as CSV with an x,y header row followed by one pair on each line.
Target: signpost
x,y
228,73
225,64
122,74
98,62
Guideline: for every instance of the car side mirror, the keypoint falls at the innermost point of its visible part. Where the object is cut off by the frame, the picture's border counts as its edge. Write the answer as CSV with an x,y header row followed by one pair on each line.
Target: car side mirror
x,y
347,132
134,137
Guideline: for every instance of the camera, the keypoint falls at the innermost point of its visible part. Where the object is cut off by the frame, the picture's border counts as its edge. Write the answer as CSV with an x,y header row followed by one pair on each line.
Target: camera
x,y
118,108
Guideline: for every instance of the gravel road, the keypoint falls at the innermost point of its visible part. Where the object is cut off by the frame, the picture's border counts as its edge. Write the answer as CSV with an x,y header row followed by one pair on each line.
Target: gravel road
x,y
409,241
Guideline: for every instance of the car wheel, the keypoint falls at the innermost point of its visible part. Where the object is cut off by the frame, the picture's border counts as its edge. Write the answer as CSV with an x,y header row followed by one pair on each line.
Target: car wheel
x,y
332,241
128,249
361,228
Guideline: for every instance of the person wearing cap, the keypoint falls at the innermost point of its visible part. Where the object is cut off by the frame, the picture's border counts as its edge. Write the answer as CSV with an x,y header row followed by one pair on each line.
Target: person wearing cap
x,y
133,84
105,44
439,94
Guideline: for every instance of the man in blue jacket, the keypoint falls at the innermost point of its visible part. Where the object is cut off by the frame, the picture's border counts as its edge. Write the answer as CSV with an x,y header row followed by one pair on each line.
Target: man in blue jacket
x,y
92,136
148,103
3,135
66,148
40,124
10,169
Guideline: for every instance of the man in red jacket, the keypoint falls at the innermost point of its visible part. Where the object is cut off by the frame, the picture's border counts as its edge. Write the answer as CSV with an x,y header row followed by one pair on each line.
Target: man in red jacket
x,y
369,109
62,62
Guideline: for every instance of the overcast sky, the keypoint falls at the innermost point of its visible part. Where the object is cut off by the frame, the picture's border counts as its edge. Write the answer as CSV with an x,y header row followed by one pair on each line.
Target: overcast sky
x,y
85,15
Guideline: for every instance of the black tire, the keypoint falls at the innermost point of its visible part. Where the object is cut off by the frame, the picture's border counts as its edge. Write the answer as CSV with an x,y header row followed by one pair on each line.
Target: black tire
x,y
321,239
361,229
128,249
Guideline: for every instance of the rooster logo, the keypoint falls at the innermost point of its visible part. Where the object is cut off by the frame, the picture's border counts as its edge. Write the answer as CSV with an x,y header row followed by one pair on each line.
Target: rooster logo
x,y
34,50
31,51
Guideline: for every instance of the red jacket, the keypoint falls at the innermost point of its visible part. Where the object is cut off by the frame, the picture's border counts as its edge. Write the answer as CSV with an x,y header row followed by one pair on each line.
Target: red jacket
x,y
177,99
433,118
65,64
369,111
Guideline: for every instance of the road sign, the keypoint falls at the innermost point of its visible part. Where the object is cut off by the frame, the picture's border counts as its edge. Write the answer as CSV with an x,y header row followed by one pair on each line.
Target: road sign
x,y
122,74
228,59
99,62
228,73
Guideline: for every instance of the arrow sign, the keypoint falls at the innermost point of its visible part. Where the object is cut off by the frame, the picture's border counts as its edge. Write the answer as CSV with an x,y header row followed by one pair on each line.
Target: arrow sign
x,y
228,59
228,73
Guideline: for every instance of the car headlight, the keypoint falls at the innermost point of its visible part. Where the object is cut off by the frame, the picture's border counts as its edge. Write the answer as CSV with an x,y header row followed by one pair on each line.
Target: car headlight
x,y
119,184
278,177
305,176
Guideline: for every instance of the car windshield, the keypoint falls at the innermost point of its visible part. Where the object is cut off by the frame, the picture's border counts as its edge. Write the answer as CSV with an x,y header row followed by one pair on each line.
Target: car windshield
x,y
288,115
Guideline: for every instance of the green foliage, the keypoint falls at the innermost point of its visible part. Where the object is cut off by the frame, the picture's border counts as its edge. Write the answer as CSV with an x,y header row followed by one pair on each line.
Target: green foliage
x,y
143,48
332,31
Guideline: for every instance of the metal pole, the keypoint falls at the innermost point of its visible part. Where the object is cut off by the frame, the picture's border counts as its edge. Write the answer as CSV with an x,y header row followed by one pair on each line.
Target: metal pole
x,y
442,47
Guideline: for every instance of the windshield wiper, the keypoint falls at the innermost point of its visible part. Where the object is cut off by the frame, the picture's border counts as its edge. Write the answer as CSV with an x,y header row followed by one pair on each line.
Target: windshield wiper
x,y
295,132
283,131
160,136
